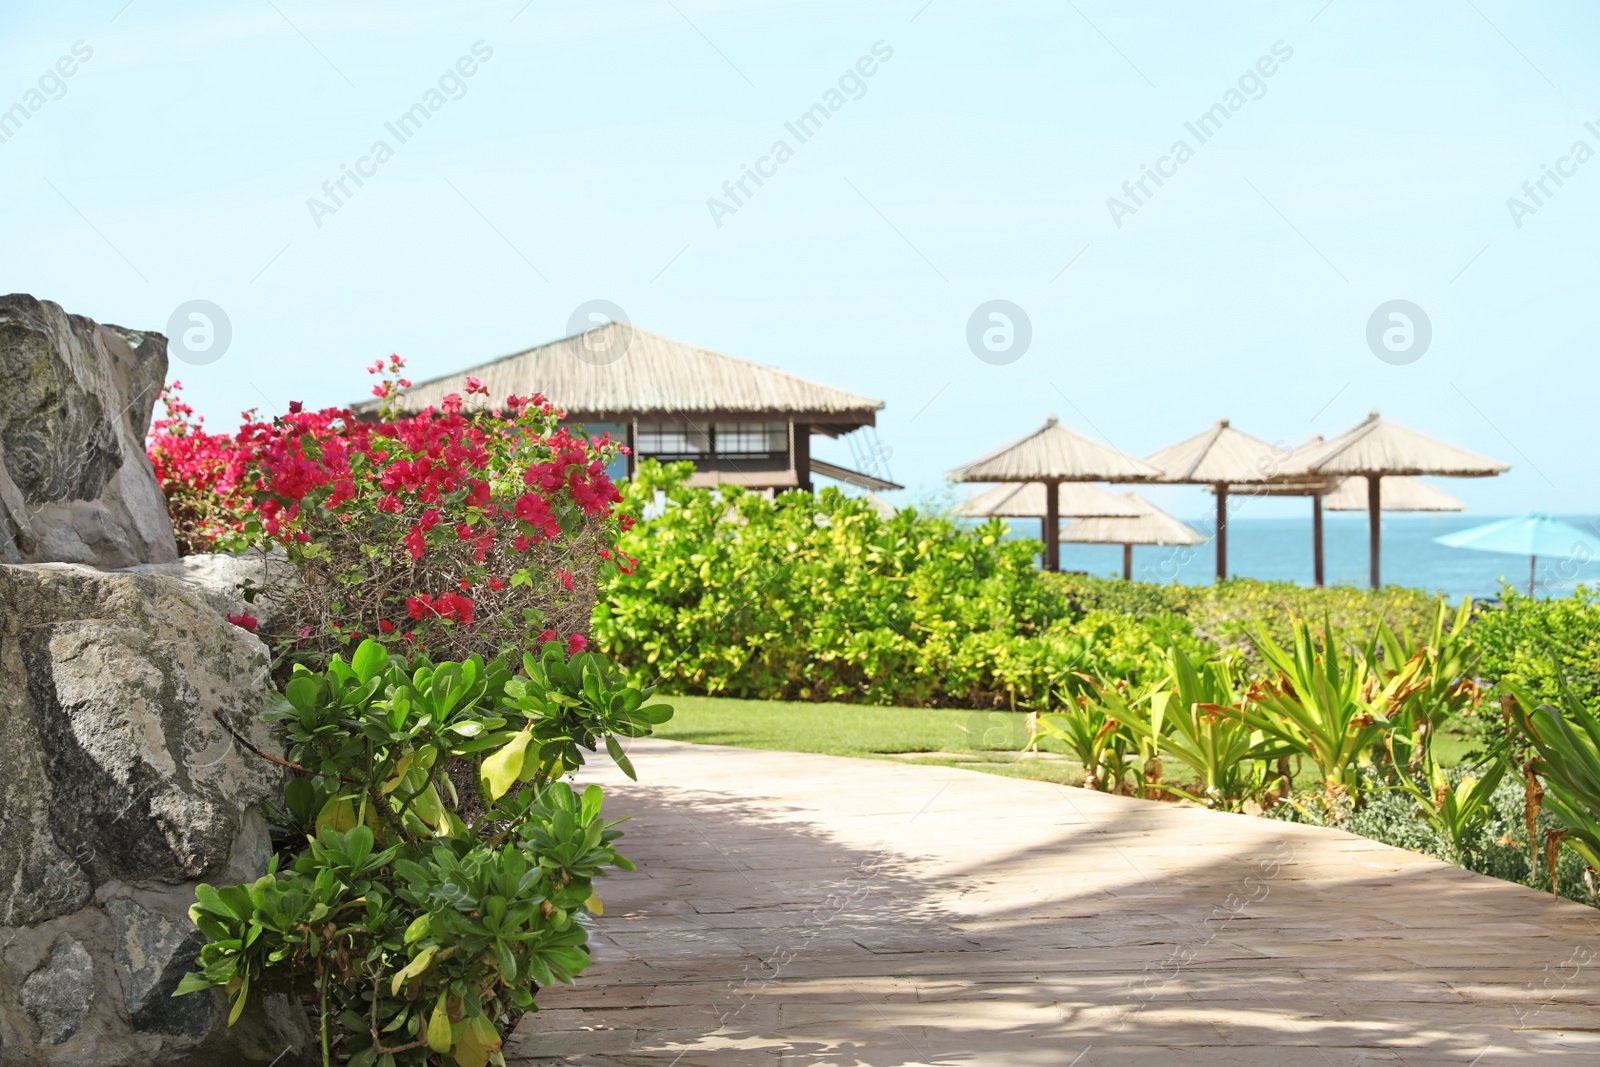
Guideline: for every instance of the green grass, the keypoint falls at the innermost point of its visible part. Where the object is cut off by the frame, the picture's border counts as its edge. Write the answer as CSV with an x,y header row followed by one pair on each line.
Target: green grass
x,y
835,729
975,740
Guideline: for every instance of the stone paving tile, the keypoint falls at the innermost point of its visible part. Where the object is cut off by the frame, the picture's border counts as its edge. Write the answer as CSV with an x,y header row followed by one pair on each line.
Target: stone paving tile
x,y
794,909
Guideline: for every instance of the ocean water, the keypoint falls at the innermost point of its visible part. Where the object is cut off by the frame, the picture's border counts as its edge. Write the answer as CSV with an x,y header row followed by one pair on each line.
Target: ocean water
x,y
1279,549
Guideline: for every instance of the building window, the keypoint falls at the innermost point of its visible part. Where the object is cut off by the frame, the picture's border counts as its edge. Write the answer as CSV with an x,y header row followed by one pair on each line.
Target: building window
x,y
672,439
752,438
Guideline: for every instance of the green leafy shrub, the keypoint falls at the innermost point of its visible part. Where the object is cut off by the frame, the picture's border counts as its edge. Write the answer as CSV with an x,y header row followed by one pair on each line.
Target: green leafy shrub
x,y
433,869
1084,593
1544,646
1231,613
820,598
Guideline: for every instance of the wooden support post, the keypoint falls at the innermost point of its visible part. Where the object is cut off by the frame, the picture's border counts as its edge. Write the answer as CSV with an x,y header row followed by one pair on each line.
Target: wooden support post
x,y
1127,563
1316,540
1222,532
1052,526
1375,527
802,454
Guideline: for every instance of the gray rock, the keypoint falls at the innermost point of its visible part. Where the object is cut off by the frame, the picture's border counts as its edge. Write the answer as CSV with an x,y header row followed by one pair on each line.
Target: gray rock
x,y
153,953
128,706
57,996
75,483
223,579
123,699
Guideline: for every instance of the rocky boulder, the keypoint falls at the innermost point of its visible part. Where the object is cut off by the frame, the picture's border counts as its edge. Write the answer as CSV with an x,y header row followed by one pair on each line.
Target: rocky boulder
x,y
75,483
128,713
254,583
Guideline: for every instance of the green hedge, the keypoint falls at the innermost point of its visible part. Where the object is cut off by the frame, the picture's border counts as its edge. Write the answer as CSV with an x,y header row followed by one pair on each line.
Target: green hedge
x,y
821,598
1542,644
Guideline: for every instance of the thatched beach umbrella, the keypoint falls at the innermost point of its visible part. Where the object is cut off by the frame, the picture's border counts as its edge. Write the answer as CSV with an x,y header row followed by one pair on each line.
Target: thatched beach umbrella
x,y
1377,449
1025,500
1221,458
1151,526
1399,493
1050,456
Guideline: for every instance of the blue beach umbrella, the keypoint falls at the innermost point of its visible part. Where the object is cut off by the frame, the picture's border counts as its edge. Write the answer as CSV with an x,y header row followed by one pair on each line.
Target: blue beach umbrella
x,y
1533,535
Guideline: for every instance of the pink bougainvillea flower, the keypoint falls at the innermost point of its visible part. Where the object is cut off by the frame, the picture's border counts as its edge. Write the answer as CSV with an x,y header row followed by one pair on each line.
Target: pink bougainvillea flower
x,y
576,643
244,620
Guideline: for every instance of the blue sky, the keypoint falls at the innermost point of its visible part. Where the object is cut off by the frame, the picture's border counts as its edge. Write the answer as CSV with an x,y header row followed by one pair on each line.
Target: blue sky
x,y
576,162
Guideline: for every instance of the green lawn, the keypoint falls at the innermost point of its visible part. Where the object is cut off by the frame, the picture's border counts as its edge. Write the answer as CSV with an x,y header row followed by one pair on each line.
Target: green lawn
x,y
837,729
977,740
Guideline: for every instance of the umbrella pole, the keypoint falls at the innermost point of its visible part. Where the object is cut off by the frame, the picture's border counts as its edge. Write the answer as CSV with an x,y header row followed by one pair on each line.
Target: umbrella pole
x,y
1316,540
1052,526
1222,531
1533,568
1127,563
1374,527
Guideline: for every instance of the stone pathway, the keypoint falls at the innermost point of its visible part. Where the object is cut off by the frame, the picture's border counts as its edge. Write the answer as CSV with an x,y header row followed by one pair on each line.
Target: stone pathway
x,y
797,909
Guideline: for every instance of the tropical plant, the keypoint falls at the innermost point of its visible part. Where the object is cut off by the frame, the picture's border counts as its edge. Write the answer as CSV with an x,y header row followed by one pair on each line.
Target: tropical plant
x,y
1448,656
433,868
1455,804
1566,739
1327,704
1190,716
1090,726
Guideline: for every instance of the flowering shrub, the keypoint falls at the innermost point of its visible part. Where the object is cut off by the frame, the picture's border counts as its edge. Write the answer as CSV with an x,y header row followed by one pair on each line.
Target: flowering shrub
x,y
467,529
204,477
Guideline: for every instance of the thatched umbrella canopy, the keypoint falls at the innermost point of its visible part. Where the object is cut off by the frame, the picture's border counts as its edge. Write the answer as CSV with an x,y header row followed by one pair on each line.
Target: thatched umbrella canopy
x,y
1377,449
1151,526
1025,500
1399,492
1221,457
1052,455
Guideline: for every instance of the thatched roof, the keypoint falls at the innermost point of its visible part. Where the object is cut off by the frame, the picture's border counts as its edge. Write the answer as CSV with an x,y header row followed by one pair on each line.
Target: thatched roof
x,y
1379,447
1220,454
617,371
1055,453
1152,527
1396,493
1026,500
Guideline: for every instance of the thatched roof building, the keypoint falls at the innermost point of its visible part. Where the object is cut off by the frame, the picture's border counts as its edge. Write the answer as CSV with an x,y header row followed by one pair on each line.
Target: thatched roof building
x,y
739,422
